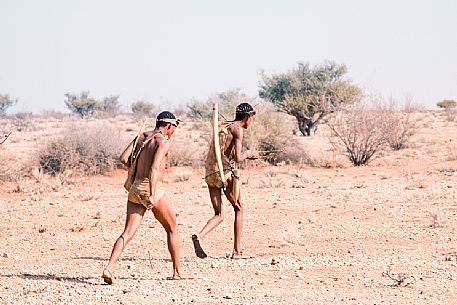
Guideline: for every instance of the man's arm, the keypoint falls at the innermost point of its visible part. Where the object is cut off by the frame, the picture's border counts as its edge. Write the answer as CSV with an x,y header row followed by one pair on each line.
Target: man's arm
x,y
161,149
237,134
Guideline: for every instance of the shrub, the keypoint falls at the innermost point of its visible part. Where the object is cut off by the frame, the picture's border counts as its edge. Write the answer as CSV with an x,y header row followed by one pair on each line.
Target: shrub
x,y
199,110
6,102
88,149
22,121
399,125
82,105
143,108
359,131
227,102
189,150
110,105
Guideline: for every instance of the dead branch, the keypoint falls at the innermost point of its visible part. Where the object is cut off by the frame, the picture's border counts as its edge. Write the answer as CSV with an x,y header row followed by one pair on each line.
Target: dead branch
x,y
400,279
5,137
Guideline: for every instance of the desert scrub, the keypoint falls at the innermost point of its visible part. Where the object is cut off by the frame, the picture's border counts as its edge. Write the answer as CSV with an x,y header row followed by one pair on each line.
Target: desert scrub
x,y
84,147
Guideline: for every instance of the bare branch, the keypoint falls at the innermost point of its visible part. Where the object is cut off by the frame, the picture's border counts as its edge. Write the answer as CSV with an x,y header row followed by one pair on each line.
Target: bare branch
x,y
5,137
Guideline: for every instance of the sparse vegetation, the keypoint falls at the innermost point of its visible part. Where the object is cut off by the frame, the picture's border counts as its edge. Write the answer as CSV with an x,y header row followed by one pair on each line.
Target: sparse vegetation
x,y
110,105
88,149
23,121
359,131
399,125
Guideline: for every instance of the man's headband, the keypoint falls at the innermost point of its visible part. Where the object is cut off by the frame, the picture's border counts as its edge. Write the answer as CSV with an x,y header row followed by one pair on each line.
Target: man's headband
x,y
174,122
250,112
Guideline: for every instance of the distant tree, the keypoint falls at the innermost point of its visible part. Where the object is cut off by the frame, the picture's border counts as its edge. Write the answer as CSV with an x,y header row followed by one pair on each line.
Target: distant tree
x,y
6,102
309,93
83,105
447,104
143,108
110,105
197,109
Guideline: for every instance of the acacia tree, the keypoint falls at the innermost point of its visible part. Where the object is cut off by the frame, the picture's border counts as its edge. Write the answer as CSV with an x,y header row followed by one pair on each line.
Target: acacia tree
x,y
447,104
6,102
309,93
83,105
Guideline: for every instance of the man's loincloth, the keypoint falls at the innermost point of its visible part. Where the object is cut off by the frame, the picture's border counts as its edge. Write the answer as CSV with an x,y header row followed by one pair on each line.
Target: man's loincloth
x,y
212,176
139,191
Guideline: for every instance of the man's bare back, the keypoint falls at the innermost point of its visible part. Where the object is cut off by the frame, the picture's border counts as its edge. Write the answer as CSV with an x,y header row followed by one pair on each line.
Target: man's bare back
x,y
146,156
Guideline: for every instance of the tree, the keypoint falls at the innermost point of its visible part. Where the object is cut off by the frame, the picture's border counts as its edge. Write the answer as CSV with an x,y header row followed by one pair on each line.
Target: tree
x,y
309,93
143,108
83,105
447,104
6,102
110,105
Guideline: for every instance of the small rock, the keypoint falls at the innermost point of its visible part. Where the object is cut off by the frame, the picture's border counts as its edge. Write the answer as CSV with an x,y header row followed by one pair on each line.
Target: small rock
x,y
214,265
5,255
274,261
282,277
227,295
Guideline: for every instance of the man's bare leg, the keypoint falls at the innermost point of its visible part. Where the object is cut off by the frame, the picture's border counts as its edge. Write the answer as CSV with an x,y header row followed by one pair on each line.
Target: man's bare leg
x,y
238,224
135,213
165,214
213,222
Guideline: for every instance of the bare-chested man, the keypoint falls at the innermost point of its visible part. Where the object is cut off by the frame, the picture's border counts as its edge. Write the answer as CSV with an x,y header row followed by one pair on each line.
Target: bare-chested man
x,y
231,137
147,191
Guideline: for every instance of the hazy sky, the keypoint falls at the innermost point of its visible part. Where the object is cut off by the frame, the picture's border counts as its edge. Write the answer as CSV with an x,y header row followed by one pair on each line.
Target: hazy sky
x,y
171,51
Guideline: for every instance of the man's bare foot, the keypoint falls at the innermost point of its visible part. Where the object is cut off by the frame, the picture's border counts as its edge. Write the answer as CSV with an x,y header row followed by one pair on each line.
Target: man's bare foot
x,y
107,276
239,255
198,248
177,277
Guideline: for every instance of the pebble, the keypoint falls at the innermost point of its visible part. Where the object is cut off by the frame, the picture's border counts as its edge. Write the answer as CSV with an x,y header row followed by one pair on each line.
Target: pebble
x,y
214,265
5,255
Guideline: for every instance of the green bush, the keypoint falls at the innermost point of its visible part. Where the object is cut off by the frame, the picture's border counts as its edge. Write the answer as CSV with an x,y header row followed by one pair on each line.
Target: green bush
x,y
82,105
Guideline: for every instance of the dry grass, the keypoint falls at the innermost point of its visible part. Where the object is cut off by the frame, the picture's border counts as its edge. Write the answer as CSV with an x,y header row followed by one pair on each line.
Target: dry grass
x,y
89,148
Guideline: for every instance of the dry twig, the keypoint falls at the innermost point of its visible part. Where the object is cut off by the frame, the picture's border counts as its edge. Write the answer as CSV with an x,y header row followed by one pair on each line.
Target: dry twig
x,y
400,279
5,137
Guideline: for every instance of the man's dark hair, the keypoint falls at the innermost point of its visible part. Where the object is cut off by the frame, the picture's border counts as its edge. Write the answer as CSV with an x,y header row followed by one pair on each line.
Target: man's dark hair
x,y
164,115
243,111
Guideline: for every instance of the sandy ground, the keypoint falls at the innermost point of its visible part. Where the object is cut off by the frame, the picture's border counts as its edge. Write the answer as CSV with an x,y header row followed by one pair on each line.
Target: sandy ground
x,y
380,234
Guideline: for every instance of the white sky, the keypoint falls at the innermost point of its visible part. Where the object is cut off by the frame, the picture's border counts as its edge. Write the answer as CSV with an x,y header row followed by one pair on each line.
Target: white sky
x,y
170,51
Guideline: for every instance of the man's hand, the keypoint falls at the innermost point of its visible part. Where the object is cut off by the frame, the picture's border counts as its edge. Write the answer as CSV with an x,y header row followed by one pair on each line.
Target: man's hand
x,y
150,202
